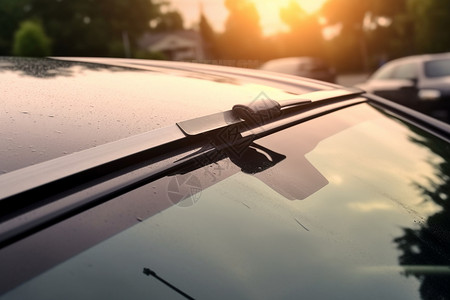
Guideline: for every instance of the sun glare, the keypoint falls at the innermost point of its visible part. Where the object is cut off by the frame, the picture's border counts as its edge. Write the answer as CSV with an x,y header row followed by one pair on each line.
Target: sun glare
x,y
269,12
309,6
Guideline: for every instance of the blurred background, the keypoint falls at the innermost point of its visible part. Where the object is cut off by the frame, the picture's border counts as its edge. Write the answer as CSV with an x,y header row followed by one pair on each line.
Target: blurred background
x,y
352,37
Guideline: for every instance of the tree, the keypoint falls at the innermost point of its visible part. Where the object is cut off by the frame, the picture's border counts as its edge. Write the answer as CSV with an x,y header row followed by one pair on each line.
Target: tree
x,y
31,40
353,15
209,37
242,38
305,35
350,15
88,27
82,27
11,15
431,22
171,20
428,243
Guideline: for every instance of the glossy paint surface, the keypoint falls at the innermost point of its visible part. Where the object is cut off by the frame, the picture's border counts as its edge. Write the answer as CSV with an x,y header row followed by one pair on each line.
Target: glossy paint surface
x,y
49,107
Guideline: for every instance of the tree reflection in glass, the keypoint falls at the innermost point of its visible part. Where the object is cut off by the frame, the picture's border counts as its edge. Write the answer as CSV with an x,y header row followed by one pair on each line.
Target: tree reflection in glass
x,y
425,251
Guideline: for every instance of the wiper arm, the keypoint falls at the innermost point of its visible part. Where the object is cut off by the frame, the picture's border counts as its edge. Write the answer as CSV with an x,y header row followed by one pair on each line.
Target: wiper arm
x,y
261,112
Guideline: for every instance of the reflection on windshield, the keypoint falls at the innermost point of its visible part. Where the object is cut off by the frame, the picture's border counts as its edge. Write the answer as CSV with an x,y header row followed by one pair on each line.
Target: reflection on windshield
x,y
427,244
437,68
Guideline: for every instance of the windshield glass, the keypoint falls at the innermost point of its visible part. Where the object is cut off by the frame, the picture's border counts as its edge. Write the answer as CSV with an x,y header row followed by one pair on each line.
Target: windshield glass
x,y
437,68
354,206
384,72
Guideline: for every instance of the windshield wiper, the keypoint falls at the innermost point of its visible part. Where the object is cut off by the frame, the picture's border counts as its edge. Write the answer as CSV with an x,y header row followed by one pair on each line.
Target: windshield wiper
x,y
263,111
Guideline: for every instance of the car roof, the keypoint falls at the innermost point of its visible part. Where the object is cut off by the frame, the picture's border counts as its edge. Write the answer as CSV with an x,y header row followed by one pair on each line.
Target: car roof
x,y
294,59
56,106
421,58
287,61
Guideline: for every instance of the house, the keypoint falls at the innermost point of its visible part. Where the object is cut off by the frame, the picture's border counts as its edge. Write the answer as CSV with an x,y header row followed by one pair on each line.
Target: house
x,y
175,45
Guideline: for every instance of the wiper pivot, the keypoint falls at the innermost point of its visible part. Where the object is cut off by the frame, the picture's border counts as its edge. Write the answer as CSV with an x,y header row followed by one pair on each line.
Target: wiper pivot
x,y
264,110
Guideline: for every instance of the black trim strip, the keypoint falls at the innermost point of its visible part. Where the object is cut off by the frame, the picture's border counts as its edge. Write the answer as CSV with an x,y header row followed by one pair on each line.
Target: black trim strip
x,y
27,186
63,206
419,119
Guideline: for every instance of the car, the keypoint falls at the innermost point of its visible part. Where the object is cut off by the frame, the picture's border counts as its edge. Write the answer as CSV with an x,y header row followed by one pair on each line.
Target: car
x,y
136,179
304,66
421,82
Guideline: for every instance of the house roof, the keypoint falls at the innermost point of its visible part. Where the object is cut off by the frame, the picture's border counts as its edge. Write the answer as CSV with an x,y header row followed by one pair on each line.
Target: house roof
x,y
167,40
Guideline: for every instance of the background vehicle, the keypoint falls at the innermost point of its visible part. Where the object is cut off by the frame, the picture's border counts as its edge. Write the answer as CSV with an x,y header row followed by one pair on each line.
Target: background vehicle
x,y
421,82
129,179
310,67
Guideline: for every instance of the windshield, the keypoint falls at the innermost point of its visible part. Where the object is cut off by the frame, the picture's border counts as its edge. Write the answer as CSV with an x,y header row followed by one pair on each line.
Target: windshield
x,y
384,72
437,68
355,207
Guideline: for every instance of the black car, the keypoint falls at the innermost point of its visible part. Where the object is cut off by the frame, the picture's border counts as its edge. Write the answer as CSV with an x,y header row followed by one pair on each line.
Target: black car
x,y
421,82
134,179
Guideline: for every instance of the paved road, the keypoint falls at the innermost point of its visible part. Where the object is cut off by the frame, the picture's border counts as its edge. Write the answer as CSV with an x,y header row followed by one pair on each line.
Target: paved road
x,y
351,79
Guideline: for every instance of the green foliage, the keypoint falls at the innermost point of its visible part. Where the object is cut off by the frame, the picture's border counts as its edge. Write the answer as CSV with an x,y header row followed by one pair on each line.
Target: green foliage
x,y
11,14
150,55
82,27
415,26
351,13
88,28
96,28
431,24
171,20
343,53
31,40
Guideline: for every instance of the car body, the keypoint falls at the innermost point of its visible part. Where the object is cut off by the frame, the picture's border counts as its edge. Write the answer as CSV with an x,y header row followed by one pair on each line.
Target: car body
x,y
305,66
143,179
421,82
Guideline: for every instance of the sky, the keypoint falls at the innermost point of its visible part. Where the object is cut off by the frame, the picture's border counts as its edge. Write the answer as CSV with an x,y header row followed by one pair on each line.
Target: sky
x,y
216,12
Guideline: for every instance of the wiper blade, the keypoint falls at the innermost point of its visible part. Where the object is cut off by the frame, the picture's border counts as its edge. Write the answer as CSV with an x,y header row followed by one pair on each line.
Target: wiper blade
x,y
260,112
